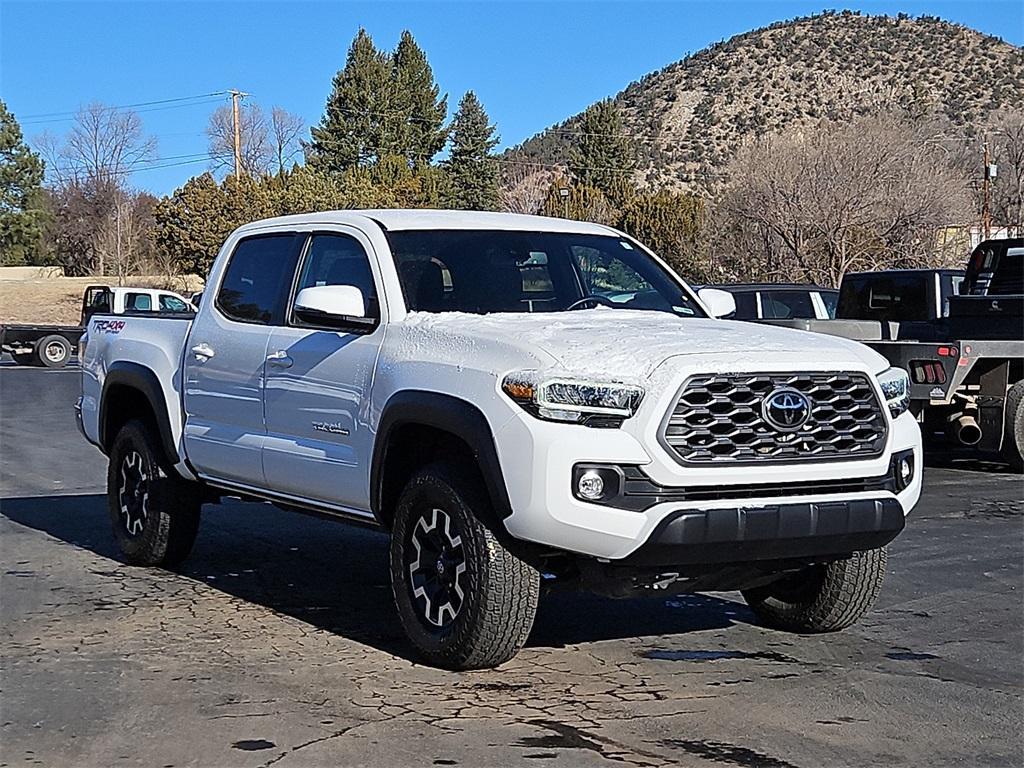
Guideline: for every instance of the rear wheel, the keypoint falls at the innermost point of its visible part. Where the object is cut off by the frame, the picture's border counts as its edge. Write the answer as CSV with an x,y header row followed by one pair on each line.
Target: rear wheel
x,y
464,600
24,358
821,598
154,512
1013,428
53,351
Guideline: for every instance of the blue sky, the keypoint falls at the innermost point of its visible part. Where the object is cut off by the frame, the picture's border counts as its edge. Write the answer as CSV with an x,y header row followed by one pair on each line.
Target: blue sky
x,y
532,64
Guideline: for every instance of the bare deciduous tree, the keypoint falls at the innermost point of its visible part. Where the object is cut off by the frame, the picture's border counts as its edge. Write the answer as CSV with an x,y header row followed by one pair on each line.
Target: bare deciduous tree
x,y
104,145
814,204
1007,147
523,187
98,228
256,152
285,130
124,241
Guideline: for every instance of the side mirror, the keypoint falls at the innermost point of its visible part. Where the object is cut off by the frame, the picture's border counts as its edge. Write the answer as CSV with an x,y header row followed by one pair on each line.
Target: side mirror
x,y
719,303
333,306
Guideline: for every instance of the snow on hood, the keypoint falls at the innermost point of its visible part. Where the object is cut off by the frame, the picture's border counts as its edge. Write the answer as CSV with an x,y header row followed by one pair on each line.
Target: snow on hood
x,y
623,345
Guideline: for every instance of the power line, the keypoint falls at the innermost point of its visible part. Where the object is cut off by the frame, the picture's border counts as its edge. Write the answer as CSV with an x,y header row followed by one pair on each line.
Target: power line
x,y
138,111
146,166
74,112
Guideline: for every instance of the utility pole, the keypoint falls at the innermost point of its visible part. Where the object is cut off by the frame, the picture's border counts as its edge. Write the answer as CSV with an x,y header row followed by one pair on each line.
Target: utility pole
x,y
236,96
986,215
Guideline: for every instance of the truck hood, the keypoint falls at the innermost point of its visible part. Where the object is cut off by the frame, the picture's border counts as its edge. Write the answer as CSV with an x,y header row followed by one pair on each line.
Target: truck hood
x,y
629,345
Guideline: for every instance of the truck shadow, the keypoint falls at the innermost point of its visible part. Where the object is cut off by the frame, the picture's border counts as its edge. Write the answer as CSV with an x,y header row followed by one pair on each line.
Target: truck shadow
x,y
335,578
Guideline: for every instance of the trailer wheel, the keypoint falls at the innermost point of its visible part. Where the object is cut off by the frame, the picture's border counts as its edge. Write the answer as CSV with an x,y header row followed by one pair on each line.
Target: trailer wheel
x,y
1013,428
53,351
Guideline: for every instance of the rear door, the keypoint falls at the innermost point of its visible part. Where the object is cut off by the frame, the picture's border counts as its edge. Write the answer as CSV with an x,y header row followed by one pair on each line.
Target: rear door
x,y
318,380
225,355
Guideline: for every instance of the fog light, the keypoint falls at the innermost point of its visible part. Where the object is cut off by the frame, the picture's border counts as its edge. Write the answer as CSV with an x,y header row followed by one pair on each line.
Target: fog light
x,y
903,470
590,485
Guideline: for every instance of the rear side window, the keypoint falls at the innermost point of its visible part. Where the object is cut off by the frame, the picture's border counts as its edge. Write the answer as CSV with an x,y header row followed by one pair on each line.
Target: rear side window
x,y
831,300
746,305
138,302
257,279
782,305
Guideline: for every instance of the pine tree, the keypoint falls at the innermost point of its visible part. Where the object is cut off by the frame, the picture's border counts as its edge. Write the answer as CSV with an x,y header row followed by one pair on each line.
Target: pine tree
x,y
670,224
582,203
382,105
354,129
420,110
21,194
471,166
604,155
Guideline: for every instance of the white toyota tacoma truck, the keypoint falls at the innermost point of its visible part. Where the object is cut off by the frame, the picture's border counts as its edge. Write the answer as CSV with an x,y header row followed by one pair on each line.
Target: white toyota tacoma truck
x,y
517,400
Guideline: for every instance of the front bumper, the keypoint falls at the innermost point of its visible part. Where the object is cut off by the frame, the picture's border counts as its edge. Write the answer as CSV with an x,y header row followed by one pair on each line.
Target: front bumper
x,y
770,532
538,461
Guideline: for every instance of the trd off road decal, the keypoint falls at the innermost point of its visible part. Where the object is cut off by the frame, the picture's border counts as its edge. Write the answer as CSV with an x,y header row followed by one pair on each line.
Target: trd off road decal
x,y
108,326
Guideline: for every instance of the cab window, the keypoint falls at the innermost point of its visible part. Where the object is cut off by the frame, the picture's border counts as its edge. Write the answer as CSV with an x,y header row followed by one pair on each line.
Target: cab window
x,y
138,302
257,279
172,304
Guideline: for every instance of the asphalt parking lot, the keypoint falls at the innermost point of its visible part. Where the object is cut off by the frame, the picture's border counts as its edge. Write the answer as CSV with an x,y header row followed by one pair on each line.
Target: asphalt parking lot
x,y
276,644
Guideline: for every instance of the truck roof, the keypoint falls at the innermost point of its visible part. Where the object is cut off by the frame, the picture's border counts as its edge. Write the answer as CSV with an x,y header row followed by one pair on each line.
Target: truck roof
x,y
409,219
736,287
914,271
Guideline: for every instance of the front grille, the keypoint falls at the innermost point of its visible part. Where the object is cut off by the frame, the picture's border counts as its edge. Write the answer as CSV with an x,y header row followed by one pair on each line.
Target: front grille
x,y
718,419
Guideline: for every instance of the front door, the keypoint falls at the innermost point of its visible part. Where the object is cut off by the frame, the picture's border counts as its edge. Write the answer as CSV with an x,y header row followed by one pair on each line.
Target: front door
x,y
318,380
225,357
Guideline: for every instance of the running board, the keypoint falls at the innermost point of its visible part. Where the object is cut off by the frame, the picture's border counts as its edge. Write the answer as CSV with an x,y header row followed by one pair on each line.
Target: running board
x,y
295,503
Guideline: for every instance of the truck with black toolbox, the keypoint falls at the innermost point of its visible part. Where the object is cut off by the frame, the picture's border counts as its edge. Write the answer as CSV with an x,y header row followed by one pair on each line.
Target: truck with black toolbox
x,y
960,336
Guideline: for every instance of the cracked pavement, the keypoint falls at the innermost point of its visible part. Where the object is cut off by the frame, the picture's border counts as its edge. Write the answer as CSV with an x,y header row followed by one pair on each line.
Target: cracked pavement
x,y
276,644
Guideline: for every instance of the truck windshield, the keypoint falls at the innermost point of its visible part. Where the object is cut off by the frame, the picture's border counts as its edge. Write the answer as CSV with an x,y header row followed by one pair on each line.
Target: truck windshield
x,y
507,271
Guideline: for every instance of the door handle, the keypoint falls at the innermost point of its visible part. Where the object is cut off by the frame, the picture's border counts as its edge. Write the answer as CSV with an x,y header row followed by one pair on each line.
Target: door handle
x,y
203,352
280,359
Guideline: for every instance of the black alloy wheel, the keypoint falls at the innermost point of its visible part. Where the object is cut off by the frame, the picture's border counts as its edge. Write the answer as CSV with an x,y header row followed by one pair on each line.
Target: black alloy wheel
x,y
437,567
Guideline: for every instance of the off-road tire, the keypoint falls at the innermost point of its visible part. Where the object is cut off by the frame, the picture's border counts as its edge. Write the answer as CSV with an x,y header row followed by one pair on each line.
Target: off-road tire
x,y
822,598
53,351
1013,428
499,592
170,504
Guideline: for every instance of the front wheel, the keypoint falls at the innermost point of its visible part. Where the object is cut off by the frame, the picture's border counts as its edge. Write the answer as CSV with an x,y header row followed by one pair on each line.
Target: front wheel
x,y
821,598
464,600
154,512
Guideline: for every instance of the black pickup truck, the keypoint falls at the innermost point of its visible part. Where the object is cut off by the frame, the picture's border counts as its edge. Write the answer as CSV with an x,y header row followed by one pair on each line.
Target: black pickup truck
x,y
960,336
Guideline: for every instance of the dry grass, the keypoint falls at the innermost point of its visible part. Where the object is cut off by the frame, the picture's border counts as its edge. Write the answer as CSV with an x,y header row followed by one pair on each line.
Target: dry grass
x,y
58,300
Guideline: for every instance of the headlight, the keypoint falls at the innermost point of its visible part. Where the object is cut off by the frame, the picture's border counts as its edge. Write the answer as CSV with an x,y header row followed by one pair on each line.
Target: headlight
x,y
596,404
895,386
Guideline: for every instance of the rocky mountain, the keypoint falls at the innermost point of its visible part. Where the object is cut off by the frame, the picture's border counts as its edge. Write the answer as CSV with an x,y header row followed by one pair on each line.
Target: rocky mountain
x,y
689,118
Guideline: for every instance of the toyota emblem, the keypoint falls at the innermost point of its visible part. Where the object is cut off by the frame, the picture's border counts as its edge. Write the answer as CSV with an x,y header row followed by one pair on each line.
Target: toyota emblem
x,y
786,409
